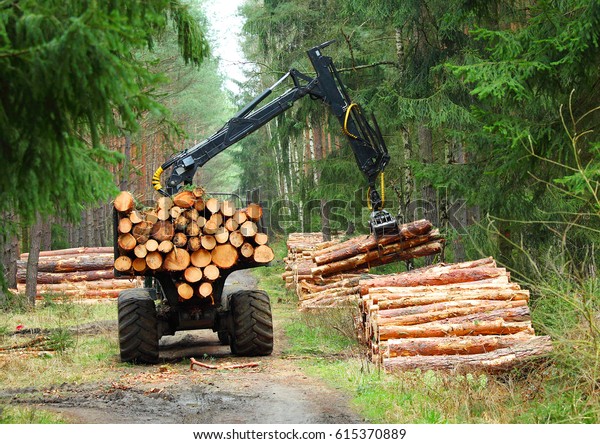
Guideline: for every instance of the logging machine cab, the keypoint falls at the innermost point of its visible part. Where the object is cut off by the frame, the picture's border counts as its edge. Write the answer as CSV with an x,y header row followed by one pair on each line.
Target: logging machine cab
x,y
243,319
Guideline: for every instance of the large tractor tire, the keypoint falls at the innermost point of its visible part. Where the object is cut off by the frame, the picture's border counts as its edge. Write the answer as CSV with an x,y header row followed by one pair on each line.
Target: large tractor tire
x,y
252,323
138,326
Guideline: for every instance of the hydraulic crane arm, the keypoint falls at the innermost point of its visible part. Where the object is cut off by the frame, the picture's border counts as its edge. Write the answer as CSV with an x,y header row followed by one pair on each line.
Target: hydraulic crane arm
x,y
365,140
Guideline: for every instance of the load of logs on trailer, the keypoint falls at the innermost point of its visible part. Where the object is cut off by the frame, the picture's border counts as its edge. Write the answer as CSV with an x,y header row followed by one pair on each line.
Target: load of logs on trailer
x,y
190,236
465,316
85,272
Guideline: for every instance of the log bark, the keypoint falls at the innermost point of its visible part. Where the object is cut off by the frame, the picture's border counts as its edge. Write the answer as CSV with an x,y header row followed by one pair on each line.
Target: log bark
x,y
457,345
84,262
76,276
389,253
103,284
72,252
91,294
445,310
497,360
400,301
447,277
363,244
437,329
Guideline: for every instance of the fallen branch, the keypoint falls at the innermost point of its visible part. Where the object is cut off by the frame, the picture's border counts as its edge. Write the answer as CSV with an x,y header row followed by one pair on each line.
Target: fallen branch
x,y
194,362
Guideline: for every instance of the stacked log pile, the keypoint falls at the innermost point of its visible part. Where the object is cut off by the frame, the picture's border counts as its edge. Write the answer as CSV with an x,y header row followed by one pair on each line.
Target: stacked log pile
x,y
85,272
327,275
466,315
192,237
298,261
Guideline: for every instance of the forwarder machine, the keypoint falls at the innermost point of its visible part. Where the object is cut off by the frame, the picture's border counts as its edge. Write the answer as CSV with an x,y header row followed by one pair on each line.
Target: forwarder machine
x,y
242,319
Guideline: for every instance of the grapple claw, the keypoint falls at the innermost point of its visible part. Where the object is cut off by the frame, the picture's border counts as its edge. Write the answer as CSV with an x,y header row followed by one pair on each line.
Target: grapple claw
x,y
382,223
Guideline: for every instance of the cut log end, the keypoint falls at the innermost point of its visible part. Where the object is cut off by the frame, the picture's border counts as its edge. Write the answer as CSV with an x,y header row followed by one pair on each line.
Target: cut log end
x,y
124,202
263,254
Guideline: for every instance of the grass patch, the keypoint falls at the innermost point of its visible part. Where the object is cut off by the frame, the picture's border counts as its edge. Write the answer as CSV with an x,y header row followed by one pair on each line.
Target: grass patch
x,y
75,356
442,398
28,415
310,334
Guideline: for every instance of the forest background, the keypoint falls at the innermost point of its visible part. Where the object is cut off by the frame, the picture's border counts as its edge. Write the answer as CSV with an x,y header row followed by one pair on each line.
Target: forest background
x,y
490,110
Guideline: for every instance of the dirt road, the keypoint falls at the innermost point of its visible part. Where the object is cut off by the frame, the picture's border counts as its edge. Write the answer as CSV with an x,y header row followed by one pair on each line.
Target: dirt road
x,y
276,391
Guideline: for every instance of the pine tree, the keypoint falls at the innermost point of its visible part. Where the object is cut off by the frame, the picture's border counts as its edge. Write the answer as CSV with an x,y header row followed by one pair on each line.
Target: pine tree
x,y
70,76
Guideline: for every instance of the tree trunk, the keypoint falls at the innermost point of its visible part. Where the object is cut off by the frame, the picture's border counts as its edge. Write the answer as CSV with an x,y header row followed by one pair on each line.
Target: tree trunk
x,y
325,227
35,243
428,195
